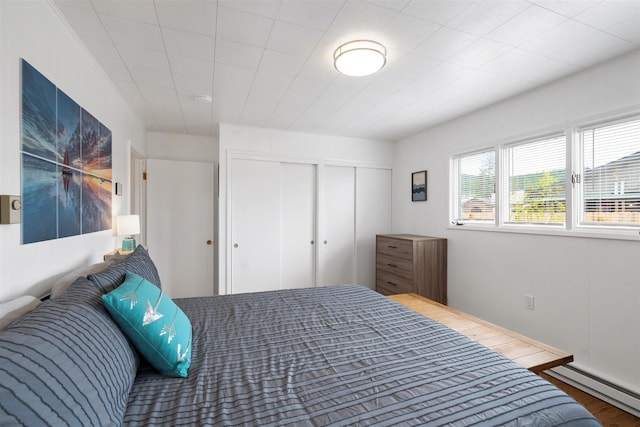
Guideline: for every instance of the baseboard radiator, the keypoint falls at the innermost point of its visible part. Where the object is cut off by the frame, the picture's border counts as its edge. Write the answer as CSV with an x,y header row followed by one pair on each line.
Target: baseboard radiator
x,y
620,397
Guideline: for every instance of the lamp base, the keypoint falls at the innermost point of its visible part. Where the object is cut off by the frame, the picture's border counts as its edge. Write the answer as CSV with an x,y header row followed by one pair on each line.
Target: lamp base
x,y
128,244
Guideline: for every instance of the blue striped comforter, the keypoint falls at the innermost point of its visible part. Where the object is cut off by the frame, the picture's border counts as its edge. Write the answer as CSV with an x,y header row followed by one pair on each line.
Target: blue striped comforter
x,y
342,356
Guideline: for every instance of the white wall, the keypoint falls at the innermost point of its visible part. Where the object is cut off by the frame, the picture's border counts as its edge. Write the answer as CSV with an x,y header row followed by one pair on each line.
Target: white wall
x,y
288,145
172,146
33,30
587,291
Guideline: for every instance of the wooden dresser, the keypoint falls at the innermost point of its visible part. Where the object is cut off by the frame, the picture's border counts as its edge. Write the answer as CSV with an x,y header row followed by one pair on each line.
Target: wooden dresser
x,y
407,263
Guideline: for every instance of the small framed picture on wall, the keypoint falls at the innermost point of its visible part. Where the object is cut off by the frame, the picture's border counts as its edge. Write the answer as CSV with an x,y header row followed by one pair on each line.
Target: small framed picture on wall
x,y
419,186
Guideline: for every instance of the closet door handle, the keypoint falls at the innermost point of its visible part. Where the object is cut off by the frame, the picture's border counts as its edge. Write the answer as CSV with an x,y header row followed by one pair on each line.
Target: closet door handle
x,y
325,242
313,242
235,245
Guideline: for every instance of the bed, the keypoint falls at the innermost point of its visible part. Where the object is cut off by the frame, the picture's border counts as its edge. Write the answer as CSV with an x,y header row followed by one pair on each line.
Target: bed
x,y
341,355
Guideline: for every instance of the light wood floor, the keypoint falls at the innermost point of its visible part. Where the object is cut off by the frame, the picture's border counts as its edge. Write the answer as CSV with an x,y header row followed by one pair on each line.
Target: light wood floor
x,y
609,415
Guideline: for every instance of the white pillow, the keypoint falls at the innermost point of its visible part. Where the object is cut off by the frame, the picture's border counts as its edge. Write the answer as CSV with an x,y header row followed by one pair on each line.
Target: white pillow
x,y
15,308
65,281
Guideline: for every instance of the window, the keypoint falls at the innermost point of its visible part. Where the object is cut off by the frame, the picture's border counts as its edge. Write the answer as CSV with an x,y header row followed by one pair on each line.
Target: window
x,y
610,174
535,182
580,181
476,178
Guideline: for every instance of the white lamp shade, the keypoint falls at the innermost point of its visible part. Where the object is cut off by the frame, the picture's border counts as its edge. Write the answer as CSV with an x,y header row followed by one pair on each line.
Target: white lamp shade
x,y
360,58
128,225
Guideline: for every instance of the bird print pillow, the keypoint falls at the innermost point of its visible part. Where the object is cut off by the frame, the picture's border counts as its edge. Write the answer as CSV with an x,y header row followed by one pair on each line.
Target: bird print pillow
x,y
156,326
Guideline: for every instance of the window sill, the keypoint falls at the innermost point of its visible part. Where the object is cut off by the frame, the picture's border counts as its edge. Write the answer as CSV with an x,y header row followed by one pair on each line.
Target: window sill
x,y
581,232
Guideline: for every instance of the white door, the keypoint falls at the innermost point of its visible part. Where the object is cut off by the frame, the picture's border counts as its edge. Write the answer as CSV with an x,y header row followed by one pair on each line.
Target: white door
x,y
337,236
297,225
180,209
255,226
373,216
272,225
138,193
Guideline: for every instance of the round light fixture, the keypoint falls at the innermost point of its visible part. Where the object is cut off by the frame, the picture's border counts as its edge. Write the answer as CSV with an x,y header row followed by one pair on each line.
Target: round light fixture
x,y
360,58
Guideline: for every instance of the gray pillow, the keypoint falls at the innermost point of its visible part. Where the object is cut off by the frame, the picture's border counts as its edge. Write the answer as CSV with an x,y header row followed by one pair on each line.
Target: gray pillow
x,y
138,262
66,363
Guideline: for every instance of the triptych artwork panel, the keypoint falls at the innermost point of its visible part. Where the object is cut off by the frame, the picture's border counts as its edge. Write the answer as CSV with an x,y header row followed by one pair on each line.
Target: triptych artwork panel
x,y
66,164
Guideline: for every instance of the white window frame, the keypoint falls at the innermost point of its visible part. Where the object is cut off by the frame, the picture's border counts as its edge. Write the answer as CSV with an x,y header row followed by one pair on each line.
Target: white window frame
x,y
454,215
504,180
572,226
578,189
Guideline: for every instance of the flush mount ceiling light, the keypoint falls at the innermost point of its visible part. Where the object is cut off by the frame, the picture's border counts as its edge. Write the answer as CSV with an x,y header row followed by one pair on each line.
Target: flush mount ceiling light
x,y
360,58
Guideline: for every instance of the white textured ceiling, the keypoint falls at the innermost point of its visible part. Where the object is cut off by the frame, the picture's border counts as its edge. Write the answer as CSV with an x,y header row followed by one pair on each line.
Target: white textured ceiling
x,y
269,63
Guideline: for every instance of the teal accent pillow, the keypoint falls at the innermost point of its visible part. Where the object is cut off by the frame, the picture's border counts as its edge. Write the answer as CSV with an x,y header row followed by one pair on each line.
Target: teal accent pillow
x,y
156,326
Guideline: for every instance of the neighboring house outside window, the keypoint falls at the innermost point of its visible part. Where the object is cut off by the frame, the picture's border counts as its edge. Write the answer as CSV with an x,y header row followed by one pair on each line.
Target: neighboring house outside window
x,y
610,168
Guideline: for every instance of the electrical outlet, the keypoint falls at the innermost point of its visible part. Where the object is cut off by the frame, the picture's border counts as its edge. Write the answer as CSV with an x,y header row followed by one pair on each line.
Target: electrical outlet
x,y
529,302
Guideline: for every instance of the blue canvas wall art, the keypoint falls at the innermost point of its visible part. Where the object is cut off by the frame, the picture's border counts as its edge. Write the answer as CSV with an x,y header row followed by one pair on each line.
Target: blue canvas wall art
x,y
38,114
69,201
96,203
68,131
66,164
39,191
96,147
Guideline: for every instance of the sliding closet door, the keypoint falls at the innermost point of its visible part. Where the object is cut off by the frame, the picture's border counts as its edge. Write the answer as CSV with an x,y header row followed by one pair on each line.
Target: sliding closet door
x,y
275,242
255,226
273,211
338,230
373,216
297,225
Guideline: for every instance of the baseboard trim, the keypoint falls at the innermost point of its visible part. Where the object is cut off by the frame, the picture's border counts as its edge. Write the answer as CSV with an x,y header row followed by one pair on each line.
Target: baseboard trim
x,y
620,397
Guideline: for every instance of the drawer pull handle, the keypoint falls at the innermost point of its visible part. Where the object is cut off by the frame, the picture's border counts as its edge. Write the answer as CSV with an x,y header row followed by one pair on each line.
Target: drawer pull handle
x,y
392,247
392,284
392,265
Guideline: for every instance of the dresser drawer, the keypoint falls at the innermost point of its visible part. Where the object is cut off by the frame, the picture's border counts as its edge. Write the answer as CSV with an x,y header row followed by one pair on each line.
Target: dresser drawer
x,y
394,247
398,266
384,291
393,283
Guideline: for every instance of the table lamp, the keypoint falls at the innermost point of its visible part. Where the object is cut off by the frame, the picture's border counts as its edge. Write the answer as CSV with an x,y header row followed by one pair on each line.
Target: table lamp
x,y
128,226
